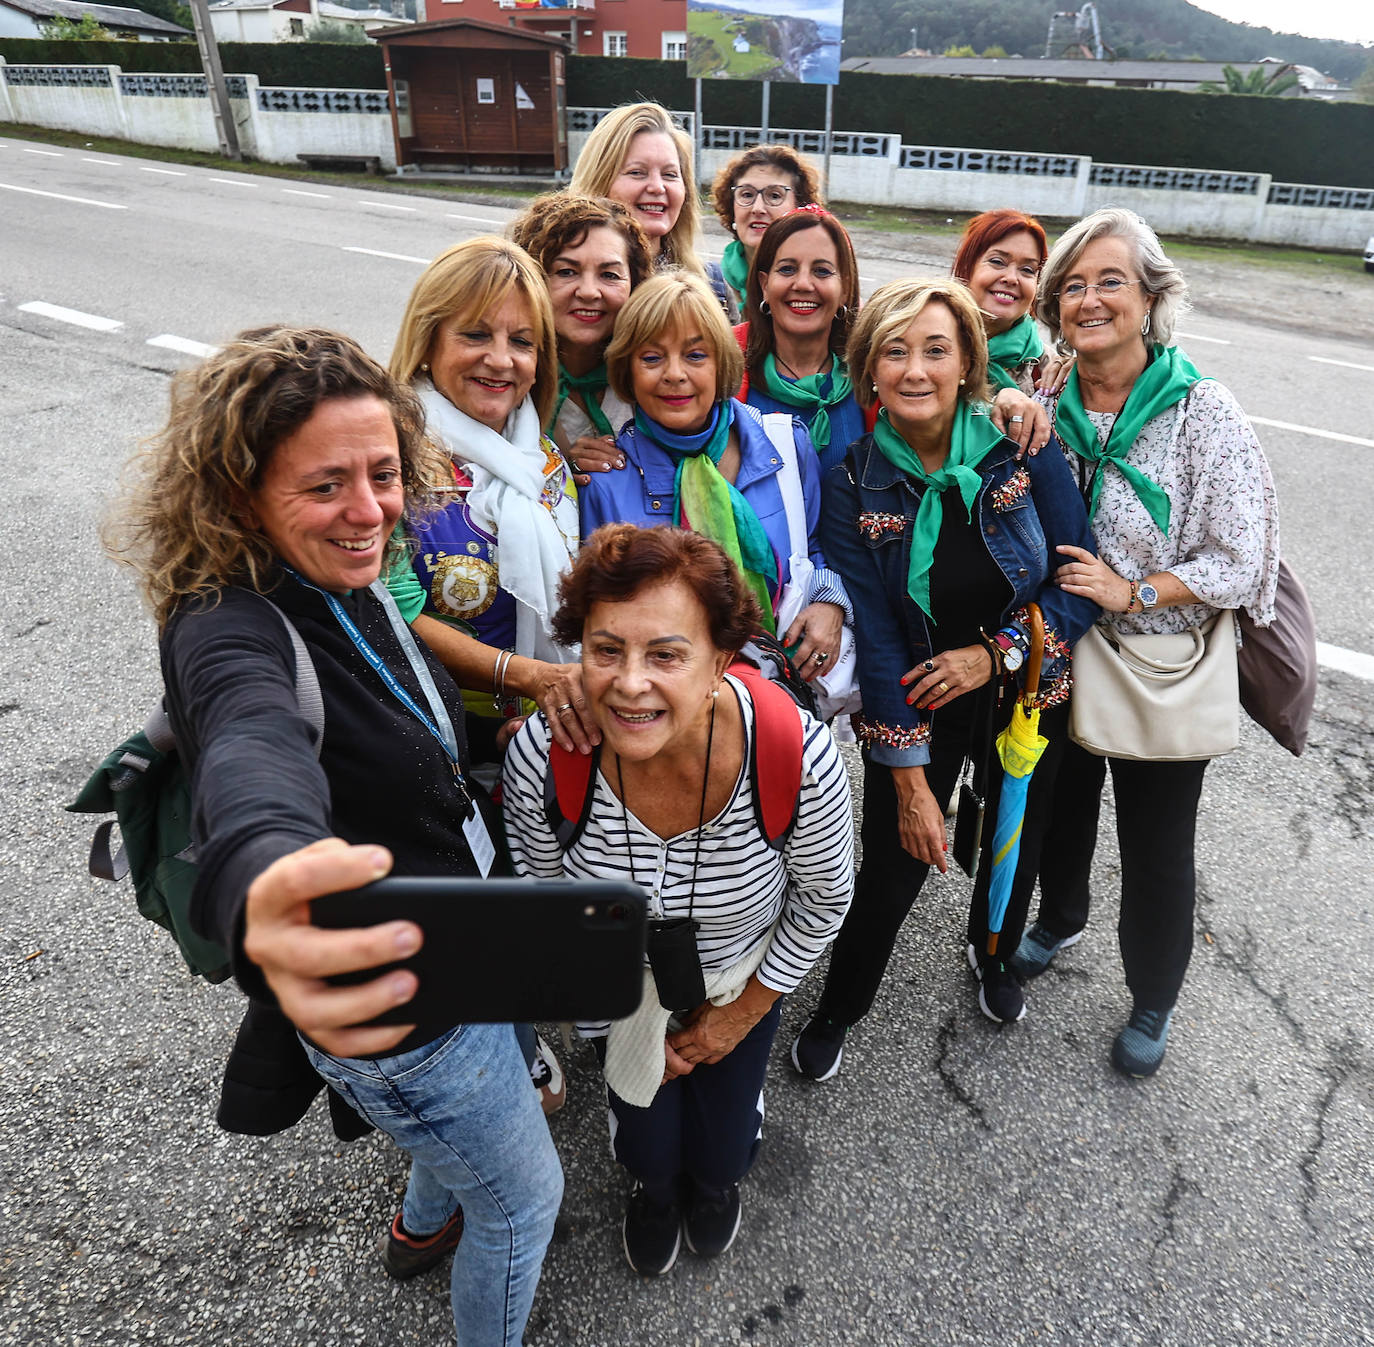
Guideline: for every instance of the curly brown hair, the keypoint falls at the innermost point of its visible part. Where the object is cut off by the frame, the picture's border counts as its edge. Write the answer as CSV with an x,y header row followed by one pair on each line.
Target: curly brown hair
x,y
182,522
619,560
557,221
806,189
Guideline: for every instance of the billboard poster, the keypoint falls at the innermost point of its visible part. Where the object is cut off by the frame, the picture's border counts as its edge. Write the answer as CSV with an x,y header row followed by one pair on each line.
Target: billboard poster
x,y
786,41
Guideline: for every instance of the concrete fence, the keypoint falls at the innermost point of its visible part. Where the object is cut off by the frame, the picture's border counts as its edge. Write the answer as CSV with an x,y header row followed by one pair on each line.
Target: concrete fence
x,y
279,125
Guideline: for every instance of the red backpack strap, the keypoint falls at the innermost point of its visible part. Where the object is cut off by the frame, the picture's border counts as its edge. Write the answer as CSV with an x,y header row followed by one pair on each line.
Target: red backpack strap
x,y
568,791
775,762
871,416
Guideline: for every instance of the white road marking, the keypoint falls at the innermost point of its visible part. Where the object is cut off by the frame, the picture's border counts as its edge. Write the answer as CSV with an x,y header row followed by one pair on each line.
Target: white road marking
x,y
234,182
1347,661
183,344
476,219
59,196
386,205
166,172
91,320
108,163
1312,430
295,191
1345,364
396,257
51,154
1197,336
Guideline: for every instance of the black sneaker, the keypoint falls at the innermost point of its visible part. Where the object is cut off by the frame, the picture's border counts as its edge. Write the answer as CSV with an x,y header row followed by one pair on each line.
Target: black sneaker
x,y
406,1255
652,1234
1038,946
712,1220
818,1049
1139,1047
999,993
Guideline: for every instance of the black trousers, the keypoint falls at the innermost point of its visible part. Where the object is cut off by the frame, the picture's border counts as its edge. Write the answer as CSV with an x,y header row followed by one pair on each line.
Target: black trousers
x,y
1156,824
890,879
706,1126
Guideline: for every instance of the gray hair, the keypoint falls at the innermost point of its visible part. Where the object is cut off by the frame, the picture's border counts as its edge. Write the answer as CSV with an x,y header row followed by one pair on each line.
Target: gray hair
x,y
1159,276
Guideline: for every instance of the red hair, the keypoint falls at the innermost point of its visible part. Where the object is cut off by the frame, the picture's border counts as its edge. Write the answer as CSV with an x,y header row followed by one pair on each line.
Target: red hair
x,y
990,228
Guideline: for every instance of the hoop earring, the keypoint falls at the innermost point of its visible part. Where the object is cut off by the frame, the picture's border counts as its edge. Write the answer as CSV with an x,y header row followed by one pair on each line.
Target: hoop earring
x,y
1145,326
764,309
842,313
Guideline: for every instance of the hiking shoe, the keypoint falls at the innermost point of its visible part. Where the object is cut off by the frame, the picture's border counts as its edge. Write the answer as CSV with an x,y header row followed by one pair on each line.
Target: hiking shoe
x,y
406,1255
1038,946
1139,1047
999,992
652,1234
712,1220
818,1049
548,1077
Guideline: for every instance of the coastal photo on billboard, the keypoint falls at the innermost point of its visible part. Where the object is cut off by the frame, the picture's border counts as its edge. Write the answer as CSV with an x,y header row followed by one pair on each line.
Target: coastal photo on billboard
x,y
791,41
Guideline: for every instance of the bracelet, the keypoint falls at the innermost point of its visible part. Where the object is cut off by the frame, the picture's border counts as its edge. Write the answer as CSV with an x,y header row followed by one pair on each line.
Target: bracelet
x,y
498,678
1135,594
994,652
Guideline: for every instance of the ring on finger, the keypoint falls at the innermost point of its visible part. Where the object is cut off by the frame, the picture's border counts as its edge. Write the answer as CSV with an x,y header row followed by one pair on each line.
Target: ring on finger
x,y
943,686
929,666
1016,420
563,709
821,657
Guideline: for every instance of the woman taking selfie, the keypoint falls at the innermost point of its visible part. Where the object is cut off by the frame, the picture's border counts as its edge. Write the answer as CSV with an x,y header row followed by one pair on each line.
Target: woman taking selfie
x,y
269,502
739,914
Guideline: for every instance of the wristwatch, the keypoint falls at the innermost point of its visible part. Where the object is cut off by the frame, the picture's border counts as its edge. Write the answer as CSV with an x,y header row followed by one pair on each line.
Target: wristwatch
x,y
1008,641
1148,596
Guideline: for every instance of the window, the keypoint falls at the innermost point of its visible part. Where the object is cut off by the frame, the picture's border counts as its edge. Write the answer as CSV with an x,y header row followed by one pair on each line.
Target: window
x,y
675,46
297,27
615,44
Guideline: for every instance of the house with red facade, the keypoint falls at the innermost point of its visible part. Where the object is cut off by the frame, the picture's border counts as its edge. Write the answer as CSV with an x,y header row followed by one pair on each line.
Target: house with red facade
x,y
651,29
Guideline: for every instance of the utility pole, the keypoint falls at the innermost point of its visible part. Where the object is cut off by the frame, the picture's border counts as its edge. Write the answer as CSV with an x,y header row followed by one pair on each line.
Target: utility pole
x,y
214,78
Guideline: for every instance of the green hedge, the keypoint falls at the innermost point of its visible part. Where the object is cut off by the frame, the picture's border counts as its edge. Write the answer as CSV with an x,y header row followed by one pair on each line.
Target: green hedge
x,y
1295,140
307,65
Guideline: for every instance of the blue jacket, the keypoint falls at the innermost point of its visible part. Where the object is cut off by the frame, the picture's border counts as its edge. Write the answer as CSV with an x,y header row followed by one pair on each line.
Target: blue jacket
x,y
642,493
846,424
1024,508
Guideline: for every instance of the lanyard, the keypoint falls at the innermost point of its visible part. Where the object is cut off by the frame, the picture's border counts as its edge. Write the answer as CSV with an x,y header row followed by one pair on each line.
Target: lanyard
x,y
440,726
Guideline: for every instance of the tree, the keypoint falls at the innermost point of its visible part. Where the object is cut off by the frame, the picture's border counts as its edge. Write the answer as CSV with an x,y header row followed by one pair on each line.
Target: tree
x,y
331,30
1364,83
959,51
1258,82
995,53
84,29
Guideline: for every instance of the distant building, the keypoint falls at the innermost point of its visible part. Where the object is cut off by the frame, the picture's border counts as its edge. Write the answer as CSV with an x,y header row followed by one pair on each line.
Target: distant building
x,y
26,18
650,29
289,20
1178,75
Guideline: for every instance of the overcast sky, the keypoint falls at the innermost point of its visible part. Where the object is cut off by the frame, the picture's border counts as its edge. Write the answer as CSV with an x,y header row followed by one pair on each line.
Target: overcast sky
x,y
1350,20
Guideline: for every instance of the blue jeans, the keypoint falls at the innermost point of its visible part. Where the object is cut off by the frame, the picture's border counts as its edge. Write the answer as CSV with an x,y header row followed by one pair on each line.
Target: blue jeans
x,y
463,1108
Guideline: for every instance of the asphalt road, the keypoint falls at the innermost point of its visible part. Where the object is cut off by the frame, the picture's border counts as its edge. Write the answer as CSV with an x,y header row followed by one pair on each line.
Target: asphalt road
x,y
956,1184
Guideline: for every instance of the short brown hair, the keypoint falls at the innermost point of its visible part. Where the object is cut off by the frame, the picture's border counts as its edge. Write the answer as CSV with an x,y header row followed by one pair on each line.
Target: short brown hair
x,y
619,560
892,308
557,221
182,524
671,300
463,284
806,187
766,254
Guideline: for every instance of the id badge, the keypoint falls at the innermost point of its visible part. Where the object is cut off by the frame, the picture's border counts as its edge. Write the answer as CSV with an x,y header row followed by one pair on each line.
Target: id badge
x,y
479,840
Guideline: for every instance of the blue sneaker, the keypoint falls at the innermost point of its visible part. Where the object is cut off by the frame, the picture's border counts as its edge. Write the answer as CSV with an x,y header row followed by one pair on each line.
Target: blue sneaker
x,y
1038,946
1139,1047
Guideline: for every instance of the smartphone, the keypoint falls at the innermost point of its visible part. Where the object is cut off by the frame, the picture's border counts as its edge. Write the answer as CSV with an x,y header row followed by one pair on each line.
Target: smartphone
x,y
968,829
499,950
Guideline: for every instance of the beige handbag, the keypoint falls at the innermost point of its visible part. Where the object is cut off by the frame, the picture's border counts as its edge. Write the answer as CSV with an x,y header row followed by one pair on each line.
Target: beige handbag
x,y
1172,698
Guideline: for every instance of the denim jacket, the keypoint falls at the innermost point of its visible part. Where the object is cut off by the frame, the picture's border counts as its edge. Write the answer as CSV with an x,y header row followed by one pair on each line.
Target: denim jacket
x,y
1024,509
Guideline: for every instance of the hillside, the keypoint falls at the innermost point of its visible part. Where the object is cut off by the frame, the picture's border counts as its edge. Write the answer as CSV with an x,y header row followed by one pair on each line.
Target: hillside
x,y
1138,29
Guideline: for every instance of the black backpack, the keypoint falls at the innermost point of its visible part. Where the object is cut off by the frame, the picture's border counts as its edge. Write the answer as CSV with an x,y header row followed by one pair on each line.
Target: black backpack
x,y
144,784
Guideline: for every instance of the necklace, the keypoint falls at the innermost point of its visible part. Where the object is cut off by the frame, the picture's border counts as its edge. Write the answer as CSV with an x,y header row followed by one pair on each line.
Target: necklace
x,y
701,812
782,364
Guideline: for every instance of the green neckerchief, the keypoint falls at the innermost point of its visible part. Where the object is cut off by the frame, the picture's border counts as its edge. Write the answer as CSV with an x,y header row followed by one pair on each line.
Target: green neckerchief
x,y
708,504
591,385
805,394
971,439
1163,382
1009,350
734,266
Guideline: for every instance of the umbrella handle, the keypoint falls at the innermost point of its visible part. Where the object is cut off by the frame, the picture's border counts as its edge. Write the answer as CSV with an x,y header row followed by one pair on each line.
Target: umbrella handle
x,y
1036,620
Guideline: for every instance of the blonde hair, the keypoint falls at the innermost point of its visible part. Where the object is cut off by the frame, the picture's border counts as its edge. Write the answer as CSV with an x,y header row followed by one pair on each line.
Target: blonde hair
x,y
892,308
464,284
604,155
673,301
182,521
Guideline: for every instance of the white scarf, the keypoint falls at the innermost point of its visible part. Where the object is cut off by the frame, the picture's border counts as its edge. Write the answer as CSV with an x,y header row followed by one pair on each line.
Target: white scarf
x,y
506,499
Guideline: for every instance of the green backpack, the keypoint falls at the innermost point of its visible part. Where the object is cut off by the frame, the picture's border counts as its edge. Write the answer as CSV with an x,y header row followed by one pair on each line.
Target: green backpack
x,y
145,785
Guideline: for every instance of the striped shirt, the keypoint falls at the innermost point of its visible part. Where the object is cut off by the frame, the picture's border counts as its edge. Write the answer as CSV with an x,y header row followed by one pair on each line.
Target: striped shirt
x,y
744,892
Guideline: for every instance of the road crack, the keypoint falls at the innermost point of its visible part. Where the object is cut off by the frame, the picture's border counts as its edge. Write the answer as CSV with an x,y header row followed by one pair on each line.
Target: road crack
x,y
944,1039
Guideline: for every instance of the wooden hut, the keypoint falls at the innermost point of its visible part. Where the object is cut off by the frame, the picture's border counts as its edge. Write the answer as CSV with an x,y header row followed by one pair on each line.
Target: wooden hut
x,y
471,95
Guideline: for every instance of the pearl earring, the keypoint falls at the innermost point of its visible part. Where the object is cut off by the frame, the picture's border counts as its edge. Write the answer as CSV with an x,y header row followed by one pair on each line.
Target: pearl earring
x,y
424,367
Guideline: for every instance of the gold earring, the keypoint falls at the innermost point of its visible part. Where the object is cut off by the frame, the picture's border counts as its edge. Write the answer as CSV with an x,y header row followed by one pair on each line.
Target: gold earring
x,y
424,367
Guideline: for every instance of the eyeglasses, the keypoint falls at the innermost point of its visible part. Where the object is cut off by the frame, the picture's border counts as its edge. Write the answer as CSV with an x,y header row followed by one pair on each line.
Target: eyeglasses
x,y
772,196
1076,290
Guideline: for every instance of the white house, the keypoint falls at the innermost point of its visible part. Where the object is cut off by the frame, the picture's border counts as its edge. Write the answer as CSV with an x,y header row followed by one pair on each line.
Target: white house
x,y
26,18
285,20
741,43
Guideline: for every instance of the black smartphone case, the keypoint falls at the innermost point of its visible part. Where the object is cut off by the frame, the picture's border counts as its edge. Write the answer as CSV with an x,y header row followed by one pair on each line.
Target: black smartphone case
x,y
498,950
968,829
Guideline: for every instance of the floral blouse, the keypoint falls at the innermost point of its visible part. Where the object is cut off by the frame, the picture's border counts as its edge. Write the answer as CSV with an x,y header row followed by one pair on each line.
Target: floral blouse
x,y
1223,540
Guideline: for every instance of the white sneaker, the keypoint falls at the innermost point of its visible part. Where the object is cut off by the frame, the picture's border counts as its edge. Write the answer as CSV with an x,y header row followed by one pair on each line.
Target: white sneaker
x,y
547,1077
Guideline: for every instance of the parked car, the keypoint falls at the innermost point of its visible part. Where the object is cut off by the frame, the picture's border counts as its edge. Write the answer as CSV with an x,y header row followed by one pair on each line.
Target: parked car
x,y
1369,254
